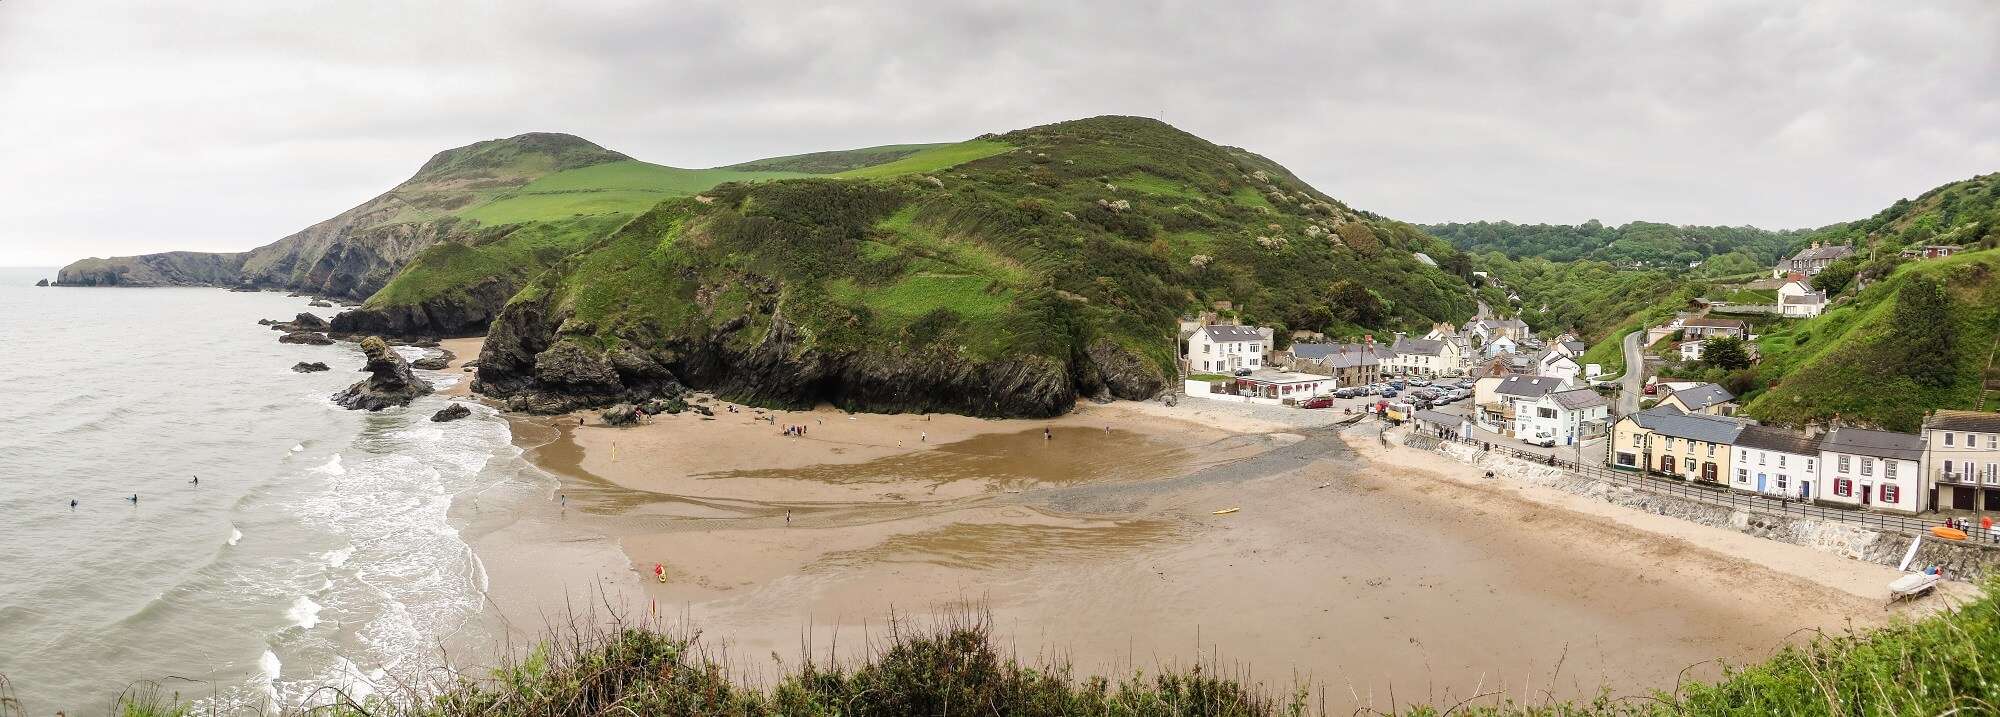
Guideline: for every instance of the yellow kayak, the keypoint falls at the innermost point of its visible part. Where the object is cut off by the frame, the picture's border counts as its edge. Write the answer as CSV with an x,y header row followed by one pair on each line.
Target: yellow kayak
x,y
1947,533
1225,511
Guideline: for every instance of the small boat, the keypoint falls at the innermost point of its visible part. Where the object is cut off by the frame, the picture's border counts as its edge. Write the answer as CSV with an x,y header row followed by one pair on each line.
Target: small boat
x,y
1911,585
1225,511
1947,533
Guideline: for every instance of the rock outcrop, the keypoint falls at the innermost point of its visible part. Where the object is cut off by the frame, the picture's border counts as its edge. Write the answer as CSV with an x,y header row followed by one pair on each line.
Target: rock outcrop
x,y
461,313
307,338
44,282
623,414
431,363
314,367
389,383
452,412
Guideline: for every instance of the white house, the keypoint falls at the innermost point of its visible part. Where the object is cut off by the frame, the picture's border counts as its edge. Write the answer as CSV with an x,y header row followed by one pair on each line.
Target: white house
x,y
1777,462
1225,349
1691,350
1513,397
1872,469
1797,299
1487,329
1500,345
1425,357
1567,416
1554,363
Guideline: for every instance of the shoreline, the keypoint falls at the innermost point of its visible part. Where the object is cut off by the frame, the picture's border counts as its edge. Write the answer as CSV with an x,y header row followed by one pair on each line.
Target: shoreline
x,y
1104,568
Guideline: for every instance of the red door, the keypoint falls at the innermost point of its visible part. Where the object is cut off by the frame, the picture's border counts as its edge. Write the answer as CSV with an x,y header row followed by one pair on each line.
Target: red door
x,y
1864,493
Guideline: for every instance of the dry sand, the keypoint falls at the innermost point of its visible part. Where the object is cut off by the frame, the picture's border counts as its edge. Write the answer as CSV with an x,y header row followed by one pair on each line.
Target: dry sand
x,y
1364,570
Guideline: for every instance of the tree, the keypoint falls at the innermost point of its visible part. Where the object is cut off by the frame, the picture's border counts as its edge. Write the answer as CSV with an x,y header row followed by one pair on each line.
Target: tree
x,y
1836,276
1725,352
1923,333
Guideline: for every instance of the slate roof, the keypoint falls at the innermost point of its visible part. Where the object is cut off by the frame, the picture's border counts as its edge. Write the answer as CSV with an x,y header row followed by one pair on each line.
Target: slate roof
x,y
1528,386
1816,297
1778,439
1835,251
1964,421
1699,397
1340,355
1578,398
1439,418
1699,427
1232,333
1426,347
1577,347
1870,442
1718,323
1651,418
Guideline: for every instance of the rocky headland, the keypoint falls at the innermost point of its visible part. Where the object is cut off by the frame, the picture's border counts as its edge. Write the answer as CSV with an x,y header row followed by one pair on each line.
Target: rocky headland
x,y
390,381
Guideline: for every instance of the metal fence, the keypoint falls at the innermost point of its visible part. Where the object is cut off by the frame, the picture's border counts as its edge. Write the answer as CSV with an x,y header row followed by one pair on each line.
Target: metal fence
x,y
1721,495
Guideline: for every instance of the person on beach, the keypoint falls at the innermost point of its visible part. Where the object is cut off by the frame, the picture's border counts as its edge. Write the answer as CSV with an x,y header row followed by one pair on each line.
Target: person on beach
x,y
1048,435
923,437
788,519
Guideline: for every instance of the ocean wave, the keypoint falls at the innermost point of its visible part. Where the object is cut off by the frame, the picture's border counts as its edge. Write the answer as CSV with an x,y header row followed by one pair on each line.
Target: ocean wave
x,y
332,467
303,613
297,447
337,558
270,669
234,535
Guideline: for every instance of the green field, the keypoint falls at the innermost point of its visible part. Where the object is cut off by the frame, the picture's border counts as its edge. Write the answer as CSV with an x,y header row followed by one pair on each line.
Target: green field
x,y
931,160
626,187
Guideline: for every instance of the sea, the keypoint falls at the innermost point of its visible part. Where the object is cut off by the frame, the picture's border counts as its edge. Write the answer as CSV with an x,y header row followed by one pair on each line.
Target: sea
x,y
317,549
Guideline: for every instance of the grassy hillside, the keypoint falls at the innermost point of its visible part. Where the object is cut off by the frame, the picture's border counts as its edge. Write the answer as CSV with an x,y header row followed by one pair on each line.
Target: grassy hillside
x,y
1042,246
1851,361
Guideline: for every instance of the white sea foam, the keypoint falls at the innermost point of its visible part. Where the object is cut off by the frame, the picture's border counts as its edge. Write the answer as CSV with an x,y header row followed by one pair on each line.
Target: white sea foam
x,y
332,467
337,558
304,612
297,447
271,668
234,535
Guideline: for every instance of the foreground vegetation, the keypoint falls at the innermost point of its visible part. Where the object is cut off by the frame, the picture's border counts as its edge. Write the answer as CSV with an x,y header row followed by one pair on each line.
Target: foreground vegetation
x,y
1933,666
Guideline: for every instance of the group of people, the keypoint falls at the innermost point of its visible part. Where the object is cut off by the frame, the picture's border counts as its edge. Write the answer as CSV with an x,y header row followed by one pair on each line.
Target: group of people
x,y
795,431
1985,524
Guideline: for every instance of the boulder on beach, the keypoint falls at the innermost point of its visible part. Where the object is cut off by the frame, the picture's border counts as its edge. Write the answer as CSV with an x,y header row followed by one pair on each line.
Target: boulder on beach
x,y
431,363
313,367
309,320
389,383
452,412
623,414
318,303
309,338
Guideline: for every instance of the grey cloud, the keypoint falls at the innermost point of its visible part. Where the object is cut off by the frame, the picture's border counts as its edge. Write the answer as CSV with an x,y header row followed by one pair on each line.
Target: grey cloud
x,y
134,127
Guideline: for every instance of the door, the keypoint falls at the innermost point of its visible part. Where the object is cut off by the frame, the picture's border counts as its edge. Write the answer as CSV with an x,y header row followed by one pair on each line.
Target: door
x,y
1865,491
1961,497
1805,489
1991,499
1760,482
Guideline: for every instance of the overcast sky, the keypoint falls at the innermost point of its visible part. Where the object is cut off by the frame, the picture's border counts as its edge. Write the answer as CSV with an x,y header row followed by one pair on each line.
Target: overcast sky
x,y
132,127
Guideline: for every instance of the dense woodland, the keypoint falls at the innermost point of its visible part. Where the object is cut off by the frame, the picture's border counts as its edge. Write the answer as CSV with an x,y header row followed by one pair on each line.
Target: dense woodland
x,y
1719,250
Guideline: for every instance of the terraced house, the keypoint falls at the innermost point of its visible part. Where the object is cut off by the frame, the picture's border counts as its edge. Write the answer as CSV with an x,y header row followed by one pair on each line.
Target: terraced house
x,y
1668,441
1964,455
1428,358
1872,469
1776,462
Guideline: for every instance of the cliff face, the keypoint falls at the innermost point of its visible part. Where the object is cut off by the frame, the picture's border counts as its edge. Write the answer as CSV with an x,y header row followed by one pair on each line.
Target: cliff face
x,y
355,253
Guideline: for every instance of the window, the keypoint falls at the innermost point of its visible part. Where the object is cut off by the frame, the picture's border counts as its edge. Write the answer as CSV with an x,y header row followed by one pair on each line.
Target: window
x,y
1947,468
1711,450
1781,481
1947,439
1889,494
1761,457
1843,487
1971,441
1742,475
1889,469
1843,463
1993,441
1868,466
1670,443
1690,463
1781,460
1253,360
1809,467
1545,412
1636,438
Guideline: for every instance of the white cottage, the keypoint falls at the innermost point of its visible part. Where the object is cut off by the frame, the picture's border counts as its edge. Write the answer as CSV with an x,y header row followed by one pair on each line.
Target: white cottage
x,y
1795,298
1564,417
1227,349
1872,469
1777,462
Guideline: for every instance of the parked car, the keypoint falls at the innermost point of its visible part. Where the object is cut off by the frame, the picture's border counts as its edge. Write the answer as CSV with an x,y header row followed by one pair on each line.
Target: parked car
x,y
1398,384
1242,372
1543,440
1419,382
1467,383
1318,402
1389,393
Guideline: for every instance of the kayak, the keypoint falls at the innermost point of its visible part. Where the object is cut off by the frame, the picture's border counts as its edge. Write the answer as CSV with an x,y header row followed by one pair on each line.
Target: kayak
x,y
1225,511
1947,533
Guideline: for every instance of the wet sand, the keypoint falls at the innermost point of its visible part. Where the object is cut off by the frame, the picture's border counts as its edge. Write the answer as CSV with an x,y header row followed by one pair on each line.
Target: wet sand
x,y
463,351
1361,572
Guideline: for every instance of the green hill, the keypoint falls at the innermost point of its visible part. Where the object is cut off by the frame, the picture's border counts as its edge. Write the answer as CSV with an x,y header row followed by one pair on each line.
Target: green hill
x,y
1650,245
1049,262
1902,336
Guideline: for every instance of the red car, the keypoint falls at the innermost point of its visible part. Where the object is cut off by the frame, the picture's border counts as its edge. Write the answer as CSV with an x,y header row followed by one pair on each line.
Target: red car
x,y
1318,402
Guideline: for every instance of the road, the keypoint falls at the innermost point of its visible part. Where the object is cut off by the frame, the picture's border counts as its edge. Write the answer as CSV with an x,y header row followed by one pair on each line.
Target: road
x,y
1635,374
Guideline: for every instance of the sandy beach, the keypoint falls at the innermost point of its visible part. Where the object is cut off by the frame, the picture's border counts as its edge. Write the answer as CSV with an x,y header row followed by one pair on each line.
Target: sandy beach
x,y
1354,567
